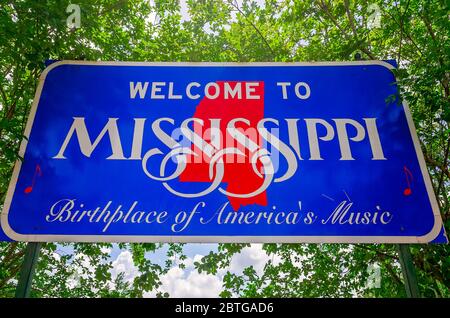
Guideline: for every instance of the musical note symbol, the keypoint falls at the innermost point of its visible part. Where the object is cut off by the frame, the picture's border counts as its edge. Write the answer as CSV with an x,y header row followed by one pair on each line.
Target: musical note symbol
x,y
409,177
37,171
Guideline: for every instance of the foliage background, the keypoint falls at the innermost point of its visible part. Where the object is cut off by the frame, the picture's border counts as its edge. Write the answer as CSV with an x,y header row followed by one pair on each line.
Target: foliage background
x,y
414,32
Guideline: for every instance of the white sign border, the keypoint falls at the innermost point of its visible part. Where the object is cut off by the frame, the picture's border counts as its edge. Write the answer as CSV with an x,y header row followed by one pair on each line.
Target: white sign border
x,y
216,239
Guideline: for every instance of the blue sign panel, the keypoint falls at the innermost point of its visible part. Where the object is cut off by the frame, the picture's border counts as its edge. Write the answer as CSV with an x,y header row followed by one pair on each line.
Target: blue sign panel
x,y
220,152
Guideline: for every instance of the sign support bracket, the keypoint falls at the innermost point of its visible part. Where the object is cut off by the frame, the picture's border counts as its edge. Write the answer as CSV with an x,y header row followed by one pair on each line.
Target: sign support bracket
x,y
408,270
28,268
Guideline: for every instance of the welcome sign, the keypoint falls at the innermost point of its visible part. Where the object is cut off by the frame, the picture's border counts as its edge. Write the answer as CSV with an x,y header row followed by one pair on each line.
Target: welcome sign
x,y
220,152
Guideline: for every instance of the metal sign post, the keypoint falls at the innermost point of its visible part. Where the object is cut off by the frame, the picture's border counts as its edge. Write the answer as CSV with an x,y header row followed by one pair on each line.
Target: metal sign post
x,y
408,270
28,268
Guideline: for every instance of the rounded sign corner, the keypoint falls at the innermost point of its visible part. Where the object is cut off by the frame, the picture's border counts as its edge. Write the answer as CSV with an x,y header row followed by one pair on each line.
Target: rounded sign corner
x,y
9,232
52,67
434,232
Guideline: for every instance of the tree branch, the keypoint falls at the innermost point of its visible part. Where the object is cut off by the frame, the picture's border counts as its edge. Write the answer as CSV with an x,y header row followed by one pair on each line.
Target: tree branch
x,y
379,253
434,163
441,179
253,25
12,274
401,31
324,7
406,33
393,274
350,17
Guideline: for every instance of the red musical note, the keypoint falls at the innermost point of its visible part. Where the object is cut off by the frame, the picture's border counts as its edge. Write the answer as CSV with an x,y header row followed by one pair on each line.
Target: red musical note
x,y
409,177
37,171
